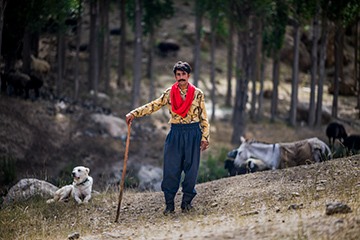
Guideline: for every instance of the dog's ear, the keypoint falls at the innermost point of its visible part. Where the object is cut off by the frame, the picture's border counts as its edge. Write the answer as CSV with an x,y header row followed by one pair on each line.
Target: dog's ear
x,y
87,170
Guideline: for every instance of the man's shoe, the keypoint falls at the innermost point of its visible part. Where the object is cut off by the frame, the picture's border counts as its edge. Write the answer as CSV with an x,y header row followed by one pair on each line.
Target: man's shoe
x,y
170,209
186,207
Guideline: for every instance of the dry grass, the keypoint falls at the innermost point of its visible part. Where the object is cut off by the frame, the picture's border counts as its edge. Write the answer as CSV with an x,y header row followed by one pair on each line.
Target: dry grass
x,y
253,206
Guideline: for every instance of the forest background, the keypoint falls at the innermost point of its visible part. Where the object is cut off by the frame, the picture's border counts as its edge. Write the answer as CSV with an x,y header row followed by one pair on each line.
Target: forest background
x,y
104,58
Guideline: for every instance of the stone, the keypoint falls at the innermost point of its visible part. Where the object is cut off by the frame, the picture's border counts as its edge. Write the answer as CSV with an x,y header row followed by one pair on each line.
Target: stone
x,y
336,207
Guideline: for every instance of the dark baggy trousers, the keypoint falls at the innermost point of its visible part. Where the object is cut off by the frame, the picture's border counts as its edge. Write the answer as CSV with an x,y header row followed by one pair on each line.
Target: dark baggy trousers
x,y
181,153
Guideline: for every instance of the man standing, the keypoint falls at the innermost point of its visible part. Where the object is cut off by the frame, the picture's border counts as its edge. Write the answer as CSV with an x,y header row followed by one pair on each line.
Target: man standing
x,y
189,134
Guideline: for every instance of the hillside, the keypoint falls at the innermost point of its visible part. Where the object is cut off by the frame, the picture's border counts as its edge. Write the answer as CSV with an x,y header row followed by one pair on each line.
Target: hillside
x,y
276,204
47,137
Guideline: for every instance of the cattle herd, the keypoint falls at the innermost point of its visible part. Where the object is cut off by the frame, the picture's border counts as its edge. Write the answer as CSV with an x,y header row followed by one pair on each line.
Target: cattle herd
x,y
348,144
15,82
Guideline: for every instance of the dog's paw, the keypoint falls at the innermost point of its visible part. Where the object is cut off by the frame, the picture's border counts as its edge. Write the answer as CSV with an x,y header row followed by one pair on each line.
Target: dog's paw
x,y
50,201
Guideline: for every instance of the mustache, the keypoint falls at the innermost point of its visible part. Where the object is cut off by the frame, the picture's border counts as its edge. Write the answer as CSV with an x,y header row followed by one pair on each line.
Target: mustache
x,y
181,80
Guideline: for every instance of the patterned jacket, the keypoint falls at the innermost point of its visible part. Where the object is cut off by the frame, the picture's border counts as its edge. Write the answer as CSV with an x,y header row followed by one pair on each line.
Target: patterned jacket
x,y
196,113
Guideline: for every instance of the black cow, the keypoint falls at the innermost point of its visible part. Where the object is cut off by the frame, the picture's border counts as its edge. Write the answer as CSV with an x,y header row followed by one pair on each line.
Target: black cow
x,y
22,83
251,165
335,130
168,46
352,143
232,169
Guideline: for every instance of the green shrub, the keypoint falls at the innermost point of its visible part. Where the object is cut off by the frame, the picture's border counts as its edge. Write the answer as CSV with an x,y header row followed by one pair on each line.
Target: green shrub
x,y
213,167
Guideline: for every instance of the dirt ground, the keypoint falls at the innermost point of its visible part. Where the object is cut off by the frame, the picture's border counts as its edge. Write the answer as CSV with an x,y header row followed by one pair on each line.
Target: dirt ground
x,y
276,204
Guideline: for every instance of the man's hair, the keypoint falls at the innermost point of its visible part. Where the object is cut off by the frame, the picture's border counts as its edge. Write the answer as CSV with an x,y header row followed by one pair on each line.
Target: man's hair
x,y
182,66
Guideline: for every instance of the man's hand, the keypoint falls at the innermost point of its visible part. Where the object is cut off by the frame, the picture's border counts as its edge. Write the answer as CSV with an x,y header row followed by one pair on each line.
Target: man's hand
x,y
129,118
204,145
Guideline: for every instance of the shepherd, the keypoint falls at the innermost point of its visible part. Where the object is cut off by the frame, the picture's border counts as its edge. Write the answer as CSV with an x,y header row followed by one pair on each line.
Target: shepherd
x,y
188,136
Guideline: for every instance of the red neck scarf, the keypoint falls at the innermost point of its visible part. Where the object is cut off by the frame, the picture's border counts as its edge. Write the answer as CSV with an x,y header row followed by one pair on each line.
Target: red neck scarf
x,y
178,105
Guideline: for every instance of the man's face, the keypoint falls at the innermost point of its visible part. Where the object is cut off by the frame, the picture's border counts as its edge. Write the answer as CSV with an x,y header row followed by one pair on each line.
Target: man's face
x,y
182,78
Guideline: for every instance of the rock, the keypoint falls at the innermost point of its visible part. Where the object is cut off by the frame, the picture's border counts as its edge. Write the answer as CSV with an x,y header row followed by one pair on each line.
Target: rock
x,y
250,213
215,204
302,112
74,235
28,188
150,177
295,206
295,194
336,207
114,126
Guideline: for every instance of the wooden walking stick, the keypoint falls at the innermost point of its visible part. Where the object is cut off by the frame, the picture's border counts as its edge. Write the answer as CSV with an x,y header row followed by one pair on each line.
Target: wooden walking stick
x,y
124,171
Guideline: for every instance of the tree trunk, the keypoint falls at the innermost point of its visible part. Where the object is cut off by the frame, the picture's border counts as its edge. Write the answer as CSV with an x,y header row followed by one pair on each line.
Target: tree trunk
x,y
122,50
136,97
26,51
295,74
94,51
107,46
63,57
35,38
261,93
212,66
324,40
274,99
337,71
103,13
78,41
358,76
242,89
60,37
228,96
151,64
235,139
2,9
93,43
255,66
198,19
356,54
311,120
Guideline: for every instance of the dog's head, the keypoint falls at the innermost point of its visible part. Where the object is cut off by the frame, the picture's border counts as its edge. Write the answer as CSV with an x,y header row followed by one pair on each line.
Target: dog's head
x,y
80,174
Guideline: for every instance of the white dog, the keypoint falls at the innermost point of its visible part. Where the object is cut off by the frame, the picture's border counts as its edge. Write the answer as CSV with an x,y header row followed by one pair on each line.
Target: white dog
x,y
80,188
